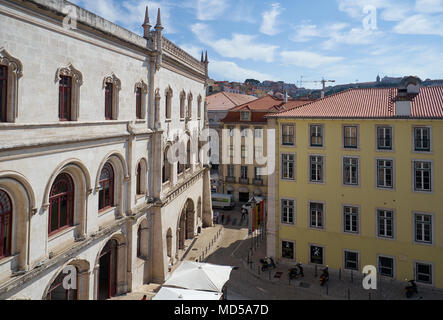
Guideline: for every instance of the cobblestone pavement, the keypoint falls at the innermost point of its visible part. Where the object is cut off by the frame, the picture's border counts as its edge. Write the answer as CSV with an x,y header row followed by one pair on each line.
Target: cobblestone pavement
x,y
230,244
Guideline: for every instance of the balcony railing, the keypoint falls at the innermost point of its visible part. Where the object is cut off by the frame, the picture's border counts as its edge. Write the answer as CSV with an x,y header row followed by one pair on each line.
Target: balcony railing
x,y
230,179
258,182
243,181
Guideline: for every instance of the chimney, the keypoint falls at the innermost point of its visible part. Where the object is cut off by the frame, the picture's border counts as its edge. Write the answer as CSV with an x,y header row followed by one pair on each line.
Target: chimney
x,y
409,89
286,97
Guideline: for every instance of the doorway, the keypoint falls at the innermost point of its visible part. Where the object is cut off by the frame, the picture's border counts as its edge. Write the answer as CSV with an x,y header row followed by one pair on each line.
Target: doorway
x,y
107,275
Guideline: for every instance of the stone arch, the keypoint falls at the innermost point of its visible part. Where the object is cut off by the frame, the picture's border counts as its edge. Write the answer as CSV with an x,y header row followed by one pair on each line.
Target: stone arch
x,y
142,177
143,238
120,264
167,166
22,197
82,189
121,177
144,92
83,269
186,223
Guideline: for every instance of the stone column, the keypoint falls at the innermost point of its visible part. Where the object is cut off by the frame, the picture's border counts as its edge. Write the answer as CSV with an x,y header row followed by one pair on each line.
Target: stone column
x,y
207,200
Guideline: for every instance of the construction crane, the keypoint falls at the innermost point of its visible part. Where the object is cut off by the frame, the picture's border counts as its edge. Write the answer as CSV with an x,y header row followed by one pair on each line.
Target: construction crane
x,y
323,82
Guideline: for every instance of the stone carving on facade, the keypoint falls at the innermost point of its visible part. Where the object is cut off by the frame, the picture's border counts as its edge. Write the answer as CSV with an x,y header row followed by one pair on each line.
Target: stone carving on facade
x,y
116,85
77,81
15,72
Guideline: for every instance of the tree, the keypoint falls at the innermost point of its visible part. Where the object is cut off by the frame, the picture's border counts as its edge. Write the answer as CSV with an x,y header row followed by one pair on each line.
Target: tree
x,y
252,81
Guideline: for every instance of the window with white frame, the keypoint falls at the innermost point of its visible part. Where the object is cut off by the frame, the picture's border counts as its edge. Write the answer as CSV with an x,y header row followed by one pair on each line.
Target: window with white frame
x,y
245,116
351,219
258,173
288,166
287,250
351,260
385,174
385,223
350,137
288,211
422,139
258,132
384,138
423,228
316,135
316,215
288,135
423,176
386,266
244,172
316,168
350,171
423,272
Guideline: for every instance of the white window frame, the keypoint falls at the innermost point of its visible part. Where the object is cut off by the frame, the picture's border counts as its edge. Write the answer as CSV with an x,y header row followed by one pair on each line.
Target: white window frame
x,y
358,171
321,126
377,137
294,161
414,224
358,219
323,216
294,212
344,259
285,134
377,227
322,181
345,127
416,262
393,266
431,183
392,174
242,118
414,149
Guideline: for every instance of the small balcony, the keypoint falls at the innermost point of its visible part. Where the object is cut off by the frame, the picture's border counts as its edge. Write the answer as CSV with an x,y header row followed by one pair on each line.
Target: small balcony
x,y
258,182
230,179
243,181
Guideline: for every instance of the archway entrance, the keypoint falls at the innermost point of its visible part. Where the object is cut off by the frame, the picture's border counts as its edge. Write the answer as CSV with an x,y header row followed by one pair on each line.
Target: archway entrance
x,y
107,275
187,223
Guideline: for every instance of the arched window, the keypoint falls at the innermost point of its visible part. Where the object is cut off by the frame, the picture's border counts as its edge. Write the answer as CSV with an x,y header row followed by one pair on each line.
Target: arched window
x,y
5,224
64,98
182,105
112,86
188,155
61,204
139,242
166,167
57,290
190,97
180,166
168,99
109,90
199,107
3,93
139,179
106,194
138,103
141,90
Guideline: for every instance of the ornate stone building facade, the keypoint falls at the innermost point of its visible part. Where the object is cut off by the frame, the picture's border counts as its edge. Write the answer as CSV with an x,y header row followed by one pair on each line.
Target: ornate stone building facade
x,y
97,173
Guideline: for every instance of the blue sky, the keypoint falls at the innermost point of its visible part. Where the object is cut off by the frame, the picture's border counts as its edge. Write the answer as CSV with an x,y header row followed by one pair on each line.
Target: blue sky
x,y
344,40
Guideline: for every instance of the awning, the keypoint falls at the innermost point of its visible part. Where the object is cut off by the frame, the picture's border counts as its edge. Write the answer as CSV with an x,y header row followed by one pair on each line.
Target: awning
x,y
166,293
200,276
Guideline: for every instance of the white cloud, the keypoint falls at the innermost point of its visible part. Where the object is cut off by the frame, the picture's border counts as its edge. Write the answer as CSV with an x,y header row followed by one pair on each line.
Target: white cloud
x,y
241,46
270,25
308,59
305,32
421,25
210,9
355,36
227,70
429,6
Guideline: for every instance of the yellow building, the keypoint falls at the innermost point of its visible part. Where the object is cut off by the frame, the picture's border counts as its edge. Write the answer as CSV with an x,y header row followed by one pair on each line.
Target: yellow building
x,y
360,182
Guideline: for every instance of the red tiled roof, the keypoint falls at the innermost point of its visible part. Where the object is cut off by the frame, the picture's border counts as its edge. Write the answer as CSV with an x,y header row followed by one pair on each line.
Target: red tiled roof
x,y
369,103
263,104
226,100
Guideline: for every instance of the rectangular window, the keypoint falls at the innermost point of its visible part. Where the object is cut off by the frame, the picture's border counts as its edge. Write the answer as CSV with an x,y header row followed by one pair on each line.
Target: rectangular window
x,y
231,172
316,215
65,98
108,101
385,223
288,135
350,171
138,106
386,266
423,176
287,211
317,255
384,138
3,93
423,272
423,228
287,250
351,220
258,173
422,139
350,137
351,260
244,172
288,165
245,116
385,174
258,132
316,165
316,136
244,132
